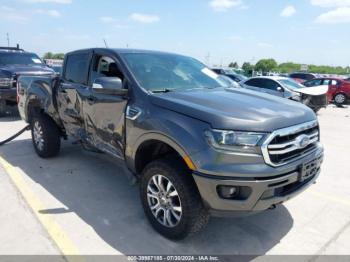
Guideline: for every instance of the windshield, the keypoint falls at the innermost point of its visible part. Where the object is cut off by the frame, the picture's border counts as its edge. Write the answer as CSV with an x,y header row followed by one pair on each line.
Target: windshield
x,y
289,83
12,58
167,72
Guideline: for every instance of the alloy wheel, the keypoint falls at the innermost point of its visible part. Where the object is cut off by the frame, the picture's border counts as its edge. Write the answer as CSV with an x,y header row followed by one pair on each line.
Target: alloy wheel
x,y
164,201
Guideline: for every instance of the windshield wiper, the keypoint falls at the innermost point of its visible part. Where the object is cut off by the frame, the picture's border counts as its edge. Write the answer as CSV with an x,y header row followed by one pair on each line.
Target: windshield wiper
x,y
165,90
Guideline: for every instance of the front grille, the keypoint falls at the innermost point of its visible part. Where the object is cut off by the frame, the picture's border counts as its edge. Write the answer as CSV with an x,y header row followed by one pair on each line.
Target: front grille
x,y
319,100
289,144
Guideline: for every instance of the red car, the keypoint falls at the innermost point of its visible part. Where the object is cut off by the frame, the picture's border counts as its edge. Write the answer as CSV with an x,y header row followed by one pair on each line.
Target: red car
x,y
338,91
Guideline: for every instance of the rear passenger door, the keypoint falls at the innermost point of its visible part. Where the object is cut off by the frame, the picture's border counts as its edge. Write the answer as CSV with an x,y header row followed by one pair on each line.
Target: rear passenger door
x,y
253,84
72,93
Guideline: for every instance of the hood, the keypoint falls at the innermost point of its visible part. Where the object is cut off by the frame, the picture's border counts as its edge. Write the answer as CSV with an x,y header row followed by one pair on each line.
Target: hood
x,y
315,90
27,69
236,109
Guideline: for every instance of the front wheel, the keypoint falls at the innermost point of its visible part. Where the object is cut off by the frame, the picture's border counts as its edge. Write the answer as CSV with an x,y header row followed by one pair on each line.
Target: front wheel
x,y
171,200
340,99
45,136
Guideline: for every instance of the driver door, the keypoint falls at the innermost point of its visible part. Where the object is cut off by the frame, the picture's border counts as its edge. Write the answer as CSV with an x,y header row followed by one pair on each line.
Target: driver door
x,y
105,113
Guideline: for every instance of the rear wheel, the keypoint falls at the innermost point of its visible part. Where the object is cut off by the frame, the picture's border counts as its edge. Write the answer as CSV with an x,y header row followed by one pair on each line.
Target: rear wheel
x,y
171,200
45,136
340,99
2,108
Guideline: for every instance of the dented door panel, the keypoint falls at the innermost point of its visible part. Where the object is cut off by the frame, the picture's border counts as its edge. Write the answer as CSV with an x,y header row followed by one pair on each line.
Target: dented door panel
x,y
70,108
105,123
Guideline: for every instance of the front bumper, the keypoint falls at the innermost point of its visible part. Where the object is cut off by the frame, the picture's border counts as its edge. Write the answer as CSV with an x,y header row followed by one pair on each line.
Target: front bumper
x,y
8,94
263,192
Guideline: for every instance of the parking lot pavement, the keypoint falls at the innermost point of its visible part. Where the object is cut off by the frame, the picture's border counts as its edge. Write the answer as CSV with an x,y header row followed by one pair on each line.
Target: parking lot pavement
x,y
88,198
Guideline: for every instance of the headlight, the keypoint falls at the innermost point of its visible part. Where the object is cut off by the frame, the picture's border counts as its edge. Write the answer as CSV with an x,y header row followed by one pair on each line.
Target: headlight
x,y
241,142
6,82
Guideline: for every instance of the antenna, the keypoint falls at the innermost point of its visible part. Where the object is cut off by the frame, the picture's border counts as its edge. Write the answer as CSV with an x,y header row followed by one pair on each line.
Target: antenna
x,y
104,40
8,39
207,59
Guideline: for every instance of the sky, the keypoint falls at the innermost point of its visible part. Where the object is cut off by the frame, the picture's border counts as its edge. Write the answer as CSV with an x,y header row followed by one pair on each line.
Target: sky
x,y
216,32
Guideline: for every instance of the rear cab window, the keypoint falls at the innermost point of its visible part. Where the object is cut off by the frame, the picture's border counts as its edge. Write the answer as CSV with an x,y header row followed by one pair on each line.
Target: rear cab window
x,y
77,68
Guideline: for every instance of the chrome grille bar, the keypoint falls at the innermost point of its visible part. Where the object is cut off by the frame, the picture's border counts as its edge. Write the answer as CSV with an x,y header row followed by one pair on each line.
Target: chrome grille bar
x,y
271,149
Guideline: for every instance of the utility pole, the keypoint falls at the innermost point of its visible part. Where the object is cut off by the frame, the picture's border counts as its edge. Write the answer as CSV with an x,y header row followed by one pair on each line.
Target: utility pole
x,y
8,39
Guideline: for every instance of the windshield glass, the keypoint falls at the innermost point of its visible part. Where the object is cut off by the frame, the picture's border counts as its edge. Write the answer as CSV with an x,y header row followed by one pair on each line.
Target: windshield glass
x,y
19,59
289,83
157,72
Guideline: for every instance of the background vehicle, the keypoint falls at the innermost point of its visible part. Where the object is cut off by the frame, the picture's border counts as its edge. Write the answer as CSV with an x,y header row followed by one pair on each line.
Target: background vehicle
x,y
195,146
55,64
315,98
230,73
338,89
301,77
14,62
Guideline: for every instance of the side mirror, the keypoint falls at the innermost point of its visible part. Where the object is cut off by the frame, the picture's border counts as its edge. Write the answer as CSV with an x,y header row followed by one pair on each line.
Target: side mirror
x,y
279,89
109,86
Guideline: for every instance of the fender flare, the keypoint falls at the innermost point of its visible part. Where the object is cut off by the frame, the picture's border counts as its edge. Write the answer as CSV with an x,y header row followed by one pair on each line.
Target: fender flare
x,y
153,136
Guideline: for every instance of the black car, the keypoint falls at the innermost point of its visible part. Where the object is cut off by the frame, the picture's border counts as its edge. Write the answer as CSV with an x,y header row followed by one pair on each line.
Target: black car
x,y
14,62
302,76
230,73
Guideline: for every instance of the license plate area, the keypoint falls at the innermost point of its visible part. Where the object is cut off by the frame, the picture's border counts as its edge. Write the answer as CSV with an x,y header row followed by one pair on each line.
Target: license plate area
x,y
310,169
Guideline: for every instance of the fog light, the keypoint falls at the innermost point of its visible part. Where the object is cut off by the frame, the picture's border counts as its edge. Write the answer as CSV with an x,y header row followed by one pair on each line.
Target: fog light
x,y
228,192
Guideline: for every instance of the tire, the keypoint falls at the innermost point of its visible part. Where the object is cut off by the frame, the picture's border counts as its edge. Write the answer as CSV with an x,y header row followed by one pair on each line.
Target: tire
x,y
45,136
340,99
193,215
2,108
316,109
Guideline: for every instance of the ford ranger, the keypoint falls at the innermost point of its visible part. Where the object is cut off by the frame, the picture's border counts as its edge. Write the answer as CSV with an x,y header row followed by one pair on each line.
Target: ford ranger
x,y
196,147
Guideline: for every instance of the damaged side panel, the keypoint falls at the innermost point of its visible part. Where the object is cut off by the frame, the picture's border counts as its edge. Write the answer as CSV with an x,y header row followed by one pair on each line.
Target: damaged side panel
x,y
70,99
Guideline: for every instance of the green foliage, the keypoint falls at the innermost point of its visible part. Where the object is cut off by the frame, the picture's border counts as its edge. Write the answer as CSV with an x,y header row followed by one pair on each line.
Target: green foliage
x,y
50,55
266,65
233,65
290,67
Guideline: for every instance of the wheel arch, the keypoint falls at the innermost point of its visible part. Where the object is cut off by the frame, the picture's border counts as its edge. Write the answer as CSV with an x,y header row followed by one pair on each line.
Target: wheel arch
x,y
153,146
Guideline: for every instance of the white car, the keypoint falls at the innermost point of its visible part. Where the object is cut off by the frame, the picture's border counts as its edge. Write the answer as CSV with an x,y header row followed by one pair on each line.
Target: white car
x,y
314,97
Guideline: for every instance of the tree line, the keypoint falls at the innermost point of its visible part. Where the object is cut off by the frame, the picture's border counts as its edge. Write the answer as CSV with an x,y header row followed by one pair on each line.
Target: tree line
x,y
270,65
50,55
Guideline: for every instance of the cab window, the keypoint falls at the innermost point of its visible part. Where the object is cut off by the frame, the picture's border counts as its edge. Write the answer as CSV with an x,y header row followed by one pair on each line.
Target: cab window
x,y
77,67
104,66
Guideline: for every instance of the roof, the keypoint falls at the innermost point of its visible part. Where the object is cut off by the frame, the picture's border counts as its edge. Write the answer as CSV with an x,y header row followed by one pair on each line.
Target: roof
x,y
123,51
276,78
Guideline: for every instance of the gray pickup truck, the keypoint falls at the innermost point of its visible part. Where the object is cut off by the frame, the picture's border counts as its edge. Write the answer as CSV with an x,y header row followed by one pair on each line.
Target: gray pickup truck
x,y
196,147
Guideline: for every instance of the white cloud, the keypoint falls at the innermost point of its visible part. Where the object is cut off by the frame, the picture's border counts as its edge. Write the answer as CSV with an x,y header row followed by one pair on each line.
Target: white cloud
x,y
288,11
52,13
337,16
48,1
9,14
108,19
224,5
144,18
235,38
264,45
330,3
